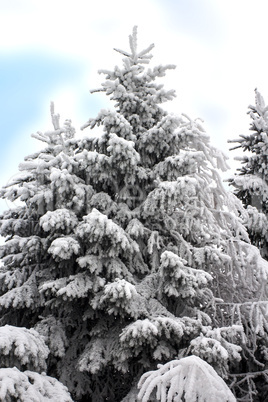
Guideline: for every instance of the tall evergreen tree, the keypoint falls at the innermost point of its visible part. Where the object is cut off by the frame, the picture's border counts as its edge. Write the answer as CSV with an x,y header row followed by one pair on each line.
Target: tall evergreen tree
x,y
25,265
251,183
129,252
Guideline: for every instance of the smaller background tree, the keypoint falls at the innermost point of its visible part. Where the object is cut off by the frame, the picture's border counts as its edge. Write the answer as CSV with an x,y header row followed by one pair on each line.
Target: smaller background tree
x,y
251,183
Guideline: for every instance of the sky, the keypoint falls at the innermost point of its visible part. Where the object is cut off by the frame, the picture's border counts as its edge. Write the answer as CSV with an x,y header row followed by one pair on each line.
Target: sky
x,y
51,50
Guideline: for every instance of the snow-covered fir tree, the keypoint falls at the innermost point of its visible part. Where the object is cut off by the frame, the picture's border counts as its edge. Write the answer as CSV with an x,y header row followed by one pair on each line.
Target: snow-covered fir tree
x,y
128,254
251,183
25,265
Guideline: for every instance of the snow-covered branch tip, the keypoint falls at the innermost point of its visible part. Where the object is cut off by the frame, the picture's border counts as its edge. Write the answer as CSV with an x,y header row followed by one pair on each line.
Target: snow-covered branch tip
x,y
142,57
55,117
133,40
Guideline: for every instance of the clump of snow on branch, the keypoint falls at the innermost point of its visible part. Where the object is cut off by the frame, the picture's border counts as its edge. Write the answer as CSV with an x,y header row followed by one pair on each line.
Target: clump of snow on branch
x,y
72,287
257,221
119,289
100,230
21,296
64,248
135,228
140,332
189,379
113,122
179,280
216,346
26,346
118,297
253,183
148,331
29,386
60,219
123,154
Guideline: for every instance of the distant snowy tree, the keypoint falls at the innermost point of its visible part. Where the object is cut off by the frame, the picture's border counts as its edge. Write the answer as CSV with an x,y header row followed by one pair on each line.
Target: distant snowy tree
x,y
129,253
251,183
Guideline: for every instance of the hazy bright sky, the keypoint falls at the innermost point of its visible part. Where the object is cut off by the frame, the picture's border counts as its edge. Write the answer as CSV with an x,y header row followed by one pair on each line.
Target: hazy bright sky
x,y
52,50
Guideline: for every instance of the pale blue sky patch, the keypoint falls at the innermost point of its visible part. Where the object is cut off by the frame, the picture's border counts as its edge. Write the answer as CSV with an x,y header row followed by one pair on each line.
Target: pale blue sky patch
x,y
197,19
27,82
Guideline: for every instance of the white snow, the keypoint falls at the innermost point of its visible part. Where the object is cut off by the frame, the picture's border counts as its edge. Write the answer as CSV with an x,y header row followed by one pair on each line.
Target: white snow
x,y
64,247
29,386
190,377
26,345
59,219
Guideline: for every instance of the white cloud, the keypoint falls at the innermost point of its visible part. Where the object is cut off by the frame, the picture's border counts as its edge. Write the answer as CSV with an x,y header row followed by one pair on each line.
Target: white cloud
x,y
80,27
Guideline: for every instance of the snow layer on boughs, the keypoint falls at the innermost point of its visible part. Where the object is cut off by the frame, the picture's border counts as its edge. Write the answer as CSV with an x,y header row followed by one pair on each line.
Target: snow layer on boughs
x,y
253,183
67,189
140,332
100,231
29,386
120,289
219,347
179,280
257,221
113,122
103,203
22,296
211,351
64,248
189,379
60,219
75,286
26,346
123,154
119,298
251,180
169,194
135,228
22,245
91,262
179,165
149,330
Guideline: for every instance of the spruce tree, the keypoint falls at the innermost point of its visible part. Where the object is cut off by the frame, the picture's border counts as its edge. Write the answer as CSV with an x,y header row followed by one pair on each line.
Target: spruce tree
x,y
251,182
25,265
129,253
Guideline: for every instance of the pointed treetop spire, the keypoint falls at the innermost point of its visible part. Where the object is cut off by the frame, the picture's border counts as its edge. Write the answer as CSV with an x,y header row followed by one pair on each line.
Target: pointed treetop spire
x,y
142,57
55,117
133,40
